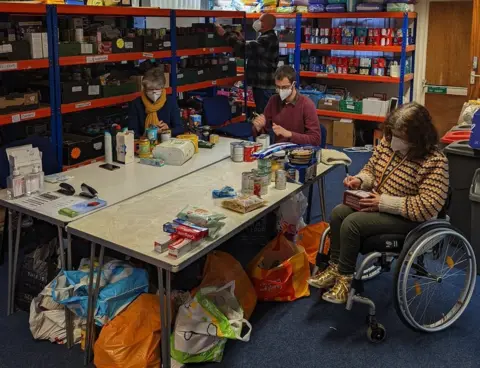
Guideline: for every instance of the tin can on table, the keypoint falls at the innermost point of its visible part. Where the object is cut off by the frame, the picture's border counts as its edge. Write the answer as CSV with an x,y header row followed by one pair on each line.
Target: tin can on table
x,y
144,148
152,133
214,138
261,183
248,182
248,150
281,179
264,139
236,152
165,136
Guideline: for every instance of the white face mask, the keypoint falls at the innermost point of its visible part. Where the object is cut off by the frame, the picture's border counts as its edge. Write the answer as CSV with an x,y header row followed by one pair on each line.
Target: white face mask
x,y
285,93
154,95
399,145
257,25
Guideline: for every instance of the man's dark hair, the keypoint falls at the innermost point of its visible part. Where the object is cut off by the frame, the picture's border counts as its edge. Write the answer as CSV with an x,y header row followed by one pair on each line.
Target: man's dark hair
x,y
286,71
415,122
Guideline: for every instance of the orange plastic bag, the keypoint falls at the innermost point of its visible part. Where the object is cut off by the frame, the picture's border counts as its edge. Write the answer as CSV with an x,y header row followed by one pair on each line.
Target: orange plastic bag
x,y
132,338
309,237
221,268
280,271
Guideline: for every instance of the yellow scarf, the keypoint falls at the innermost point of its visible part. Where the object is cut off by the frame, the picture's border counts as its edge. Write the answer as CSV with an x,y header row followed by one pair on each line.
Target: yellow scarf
x,y
152,108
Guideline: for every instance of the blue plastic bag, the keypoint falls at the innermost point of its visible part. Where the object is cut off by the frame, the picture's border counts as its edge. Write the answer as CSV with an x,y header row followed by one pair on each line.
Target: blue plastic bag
x,y
475,136
120,284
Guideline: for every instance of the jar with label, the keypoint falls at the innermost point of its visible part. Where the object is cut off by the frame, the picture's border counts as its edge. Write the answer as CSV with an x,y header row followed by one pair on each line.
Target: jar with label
x,y
144,148
278,162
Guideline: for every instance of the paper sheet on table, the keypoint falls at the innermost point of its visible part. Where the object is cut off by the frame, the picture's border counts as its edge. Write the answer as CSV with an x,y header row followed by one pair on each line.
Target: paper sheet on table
x,y
50,201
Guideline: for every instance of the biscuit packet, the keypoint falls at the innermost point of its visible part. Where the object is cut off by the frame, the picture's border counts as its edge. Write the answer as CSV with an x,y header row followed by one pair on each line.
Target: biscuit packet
x,y
243,204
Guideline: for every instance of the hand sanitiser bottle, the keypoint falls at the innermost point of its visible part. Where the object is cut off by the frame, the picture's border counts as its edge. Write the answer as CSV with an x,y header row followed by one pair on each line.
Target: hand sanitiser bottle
x,y
15,185
32,182
41,178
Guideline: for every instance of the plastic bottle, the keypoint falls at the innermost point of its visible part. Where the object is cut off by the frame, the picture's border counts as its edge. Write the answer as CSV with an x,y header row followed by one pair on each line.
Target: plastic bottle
x,y
108,148
41,179
31,183
15,185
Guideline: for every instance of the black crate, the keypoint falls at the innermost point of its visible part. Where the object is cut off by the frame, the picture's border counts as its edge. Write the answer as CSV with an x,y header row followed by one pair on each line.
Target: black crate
x,y
79,148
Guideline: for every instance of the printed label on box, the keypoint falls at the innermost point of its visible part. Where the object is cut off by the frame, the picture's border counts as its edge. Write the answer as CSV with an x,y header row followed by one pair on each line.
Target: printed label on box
x,y
86,48
214,82
8,66
77,89
97,146
7,48
225,68
93,90
129,45
200,72
96,59
210,35
167,44
83,104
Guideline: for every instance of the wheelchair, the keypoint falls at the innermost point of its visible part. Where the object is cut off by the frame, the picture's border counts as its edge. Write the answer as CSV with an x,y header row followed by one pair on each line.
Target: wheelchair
x,y
432,257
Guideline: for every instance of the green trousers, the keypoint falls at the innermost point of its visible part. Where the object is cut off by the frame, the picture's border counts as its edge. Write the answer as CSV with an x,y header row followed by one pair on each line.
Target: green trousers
x,y
349,228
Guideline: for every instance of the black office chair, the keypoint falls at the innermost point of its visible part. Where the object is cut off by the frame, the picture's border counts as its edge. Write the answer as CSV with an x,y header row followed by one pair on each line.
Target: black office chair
x,y
432,255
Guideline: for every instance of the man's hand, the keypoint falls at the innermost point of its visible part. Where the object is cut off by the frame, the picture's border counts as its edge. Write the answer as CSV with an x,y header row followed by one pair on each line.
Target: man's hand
x,y
162,126
220,30
352,182
281,131
370,204
259,122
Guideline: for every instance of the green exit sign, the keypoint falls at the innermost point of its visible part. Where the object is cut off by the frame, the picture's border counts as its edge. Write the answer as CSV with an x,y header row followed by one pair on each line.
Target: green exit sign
x,y
437,89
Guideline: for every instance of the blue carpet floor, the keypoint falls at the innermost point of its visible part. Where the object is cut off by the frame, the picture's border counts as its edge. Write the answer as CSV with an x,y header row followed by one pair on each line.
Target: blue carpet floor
x,y
306,333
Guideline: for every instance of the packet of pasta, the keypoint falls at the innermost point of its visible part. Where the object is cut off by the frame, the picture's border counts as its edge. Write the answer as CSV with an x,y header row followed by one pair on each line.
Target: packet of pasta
x,y
243,204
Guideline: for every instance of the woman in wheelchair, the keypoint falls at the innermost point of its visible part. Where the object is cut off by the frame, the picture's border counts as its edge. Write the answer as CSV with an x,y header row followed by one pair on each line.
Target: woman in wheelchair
x,y
407,177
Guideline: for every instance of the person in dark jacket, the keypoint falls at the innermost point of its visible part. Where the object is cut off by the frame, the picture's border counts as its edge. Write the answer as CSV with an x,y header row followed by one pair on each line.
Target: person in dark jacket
x,y
154,107
262,58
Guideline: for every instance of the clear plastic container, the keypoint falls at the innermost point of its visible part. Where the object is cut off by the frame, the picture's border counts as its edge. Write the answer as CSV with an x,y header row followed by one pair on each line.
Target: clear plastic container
x,y
15,185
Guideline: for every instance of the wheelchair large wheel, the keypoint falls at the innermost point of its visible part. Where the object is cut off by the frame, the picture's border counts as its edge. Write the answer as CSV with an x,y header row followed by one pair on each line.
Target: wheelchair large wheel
x,y
434,280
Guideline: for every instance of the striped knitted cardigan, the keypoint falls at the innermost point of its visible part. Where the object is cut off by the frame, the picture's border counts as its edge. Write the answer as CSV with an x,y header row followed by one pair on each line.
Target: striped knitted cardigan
x,y
416,190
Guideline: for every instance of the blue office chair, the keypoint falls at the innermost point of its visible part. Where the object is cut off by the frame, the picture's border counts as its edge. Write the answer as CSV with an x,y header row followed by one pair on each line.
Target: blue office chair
x,y
218,114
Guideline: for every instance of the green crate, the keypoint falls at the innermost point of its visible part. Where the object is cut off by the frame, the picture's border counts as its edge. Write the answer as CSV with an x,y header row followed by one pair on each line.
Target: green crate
x,y
123,89
75,49
187,76
212,40
353,107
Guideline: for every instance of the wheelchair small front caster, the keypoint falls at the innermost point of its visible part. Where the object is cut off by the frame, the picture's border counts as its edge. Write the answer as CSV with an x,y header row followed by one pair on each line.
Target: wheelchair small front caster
x,y
376,333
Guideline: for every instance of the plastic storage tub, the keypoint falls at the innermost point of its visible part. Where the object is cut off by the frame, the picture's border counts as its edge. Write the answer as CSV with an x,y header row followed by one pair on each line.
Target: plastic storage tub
x,y
454,136
463,161
475,212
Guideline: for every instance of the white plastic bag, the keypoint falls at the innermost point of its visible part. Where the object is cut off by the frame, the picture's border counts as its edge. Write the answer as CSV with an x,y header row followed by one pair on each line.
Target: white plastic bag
x,y
290,215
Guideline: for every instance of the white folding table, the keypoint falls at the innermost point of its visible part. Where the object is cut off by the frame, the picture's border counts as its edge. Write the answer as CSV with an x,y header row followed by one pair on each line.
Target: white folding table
x,y
131,227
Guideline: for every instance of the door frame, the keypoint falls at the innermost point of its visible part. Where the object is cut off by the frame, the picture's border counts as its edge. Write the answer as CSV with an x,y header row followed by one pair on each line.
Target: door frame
x,y
423,8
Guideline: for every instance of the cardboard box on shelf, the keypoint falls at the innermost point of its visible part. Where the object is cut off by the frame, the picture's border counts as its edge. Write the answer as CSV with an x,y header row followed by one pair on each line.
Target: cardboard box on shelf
x,y
344,133
36,45
19,102
328,124
45,44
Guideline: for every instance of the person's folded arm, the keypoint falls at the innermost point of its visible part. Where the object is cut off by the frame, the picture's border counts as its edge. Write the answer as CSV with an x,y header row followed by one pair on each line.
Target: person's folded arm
x,y
431,197
367,174
312,133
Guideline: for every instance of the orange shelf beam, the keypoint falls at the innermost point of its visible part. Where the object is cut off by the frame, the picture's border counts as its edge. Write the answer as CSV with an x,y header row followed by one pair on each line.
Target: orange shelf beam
x,y
203,51
209,13
238,119
206,84
23,65
101,102
346,115
111,10
389,15
356,77
249,103
309,46
338,15
18,8
113,58
84,163
286,45
17,117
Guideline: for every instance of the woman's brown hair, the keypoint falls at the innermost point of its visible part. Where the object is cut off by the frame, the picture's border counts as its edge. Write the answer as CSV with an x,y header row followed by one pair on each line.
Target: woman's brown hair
x,y
415,122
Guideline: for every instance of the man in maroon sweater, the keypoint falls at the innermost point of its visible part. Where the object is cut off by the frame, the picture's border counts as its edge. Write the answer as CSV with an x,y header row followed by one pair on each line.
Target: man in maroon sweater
x,y
291,116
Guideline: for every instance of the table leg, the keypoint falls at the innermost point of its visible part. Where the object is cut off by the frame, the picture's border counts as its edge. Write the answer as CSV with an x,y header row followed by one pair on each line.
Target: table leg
x,y
69,251
68,314
169,316
95,299
89,303
321,196
10,261
309,206
15,261
163,339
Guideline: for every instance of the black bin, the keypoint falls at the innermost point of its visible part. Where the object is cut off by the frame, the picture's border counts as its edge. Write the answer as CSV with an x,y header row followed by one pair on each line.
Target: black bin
x,y
463,161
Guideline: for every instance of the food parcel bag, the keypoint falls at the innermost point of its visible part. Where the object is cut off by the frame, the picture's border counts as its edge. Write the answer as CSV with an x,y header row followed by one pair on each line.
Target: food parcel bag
x,y
280,271
290,215
222,268
120,284
310,238
132,339
205,323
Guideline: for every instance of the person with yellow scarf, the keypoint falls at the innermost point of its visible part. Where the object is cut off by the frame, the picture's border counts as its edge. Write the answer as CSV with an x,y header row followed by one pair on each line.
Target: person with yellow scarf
x,y
154,107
